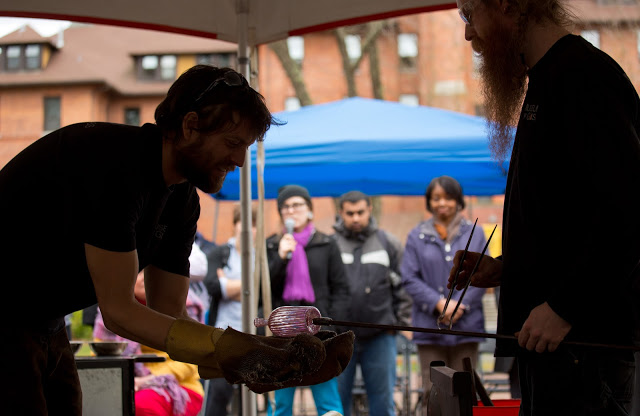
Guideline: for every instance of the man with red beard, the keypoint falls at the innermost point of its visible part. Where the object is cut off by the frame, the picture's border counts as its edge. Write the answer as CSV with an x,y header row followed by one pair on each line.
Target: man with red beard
x,y
114,200
578,118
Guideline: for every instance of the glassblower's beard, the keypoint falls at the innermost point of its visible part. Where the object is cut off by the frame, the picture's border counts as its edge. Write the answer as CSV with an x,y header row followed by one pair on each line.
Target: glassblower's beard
x,y
504,80
207,183
198,172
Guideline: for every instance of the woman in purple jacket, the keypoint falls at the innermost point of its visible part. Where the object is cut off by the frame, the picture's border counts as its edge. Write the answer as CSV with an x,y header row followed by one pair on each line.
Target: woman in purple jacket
x,y
427,261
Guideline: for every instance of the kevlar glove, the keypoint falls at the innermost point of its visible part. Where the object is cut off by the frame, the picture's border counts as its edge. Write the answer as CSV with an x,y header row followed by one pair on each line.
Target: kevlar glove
x,y
240,357
246,358
339,349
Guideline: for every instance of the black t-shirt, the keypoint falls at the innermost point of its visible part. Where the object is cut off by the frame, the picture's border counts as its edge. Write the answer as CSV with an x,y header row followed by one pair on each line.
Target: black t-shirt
x,y
94,183
571,233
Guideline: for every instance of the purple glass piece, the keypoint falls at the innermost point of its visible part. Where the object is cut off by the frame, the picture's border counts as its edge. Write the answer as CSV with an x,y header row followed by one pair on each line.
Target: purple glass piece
x,y
289,321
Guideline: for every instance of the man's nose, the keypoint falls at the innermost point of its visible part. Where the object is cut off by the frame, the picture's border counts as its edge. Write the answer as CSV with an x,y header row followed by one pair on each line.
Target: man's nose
x,y
469,33
239,156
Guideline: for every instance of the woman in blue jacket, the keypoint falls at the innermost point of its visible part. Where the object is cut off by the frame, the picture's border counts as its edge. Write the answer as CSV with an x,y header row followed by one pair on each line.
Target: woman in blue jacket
x,y
427,261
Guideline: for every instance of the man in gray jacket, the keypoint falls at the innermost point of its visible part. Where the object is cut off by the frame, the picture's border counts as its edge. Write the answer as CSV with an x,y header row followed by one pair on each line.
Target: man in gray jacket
x,y
372,259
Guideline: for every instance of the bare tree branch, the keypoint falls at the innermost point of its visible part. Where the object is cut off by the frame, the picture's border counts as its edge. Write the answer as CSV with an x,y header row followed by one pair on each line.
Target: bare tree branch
x,y
347,68
374,68
373,30
293,70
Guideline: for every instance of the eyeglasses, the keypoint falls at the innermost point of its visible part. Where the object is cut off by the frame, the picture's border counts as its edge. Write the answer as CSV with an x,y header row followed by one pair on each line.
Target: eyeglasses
x,y
296,206
229,78
466,10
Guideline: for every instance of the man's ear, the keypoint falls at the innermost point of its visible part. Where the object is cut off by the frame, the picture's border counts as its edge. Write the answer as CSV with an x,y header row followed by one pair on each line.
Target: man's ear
x,y
189,125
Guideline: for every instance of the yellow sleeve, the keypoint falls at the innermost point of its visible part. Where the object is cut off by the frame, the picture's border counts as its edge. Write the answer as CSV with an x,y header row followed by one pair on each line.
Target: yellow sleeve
x,y
186,374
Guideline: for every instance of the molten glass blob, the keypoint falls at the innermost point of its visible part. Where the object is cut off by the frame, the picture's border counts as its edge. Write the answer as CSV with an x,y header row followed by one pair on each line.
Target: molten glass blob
x,y
289,321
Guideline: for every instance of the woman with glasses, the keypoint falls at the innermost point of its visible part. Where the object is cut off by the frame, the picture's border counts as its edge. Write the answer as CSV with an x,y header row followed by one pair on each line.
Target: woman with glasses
x,y
306,270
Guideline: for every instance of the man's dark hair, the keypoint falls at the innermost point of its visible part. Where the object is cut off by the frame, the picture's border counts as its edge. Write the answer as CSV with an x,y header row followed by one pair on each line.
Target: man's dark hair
x,y
555,11
353,197
216,108
451,187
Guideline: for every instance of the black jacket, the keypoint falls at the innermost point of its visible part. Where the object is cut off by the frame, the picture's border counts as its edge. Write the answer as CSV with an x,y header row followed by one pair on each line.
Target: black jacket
x,y
326,270
372,260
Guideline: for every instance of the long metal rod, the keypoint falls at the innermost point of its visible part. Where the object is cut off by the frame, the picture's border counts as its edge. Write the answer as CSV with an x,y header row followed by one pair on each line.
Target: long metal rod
x,y
455,278
466,286
329,321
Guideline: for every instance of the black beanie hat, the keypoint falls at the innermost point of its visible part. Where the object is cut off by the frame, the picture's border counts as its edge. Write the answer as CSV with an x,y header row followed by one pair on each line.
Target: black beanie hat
x,y
288,191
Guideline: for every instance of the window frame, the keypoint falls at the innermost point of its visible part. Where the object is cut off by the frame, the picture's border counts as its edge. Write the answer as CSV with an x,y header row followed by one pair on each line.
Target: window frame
x,y
47,125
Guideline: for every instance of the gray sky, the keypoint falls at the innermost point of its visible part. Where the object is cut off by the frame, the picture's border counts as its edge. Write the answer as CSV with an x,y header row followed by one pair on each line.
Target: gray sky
x,y
42,26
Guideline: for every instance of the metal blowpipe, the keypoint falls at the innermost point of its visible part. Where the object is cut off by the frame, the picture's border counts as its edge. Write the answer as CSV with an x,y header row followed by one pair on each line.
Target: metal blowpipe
x,y
329,321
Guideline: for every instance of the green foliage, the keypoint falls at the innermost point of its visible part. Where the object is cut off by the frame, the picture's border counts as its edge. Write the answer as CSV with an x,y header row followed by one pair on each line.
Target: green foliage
x,y
78,330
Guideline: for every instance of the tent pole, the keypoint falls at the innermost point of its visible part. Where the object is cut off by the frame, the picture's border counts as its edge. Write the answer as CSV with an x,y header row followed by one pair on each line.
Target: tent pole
x,y
248,309
216,216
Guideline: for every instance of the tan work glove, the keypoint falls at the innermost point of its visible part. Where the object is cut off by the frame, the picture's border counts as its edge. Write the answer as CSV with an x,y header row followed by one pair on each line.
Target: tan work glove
x,y
339,349
243,358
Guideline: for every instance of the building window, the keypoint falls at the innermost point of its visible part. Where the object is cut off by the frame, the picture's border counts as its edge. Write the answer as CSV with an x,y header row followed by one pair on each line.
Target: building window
x,y
409,99
591,36
291,104
296,48
148,67
408,50
156,68
51,113
168,65
14,58
354,47
20,57
32,56
132,116
220,60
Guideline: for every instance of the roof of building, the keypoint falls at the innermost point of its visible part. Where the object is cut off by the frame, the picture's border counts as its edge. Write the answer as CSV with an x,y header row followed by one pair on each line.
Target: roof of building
x,y
606,12
104,55
22,35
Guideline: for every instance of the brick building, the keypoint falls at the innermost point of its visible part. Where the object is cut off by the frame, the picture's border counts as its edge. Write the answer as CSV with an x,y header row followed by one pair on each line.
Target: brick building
x,y
101,73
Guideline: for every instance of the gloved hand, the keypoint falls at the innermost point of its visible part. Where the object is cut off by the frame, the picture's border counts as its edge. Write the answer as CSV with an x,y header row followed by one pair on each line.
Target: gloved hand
x,y
339,349
246,358
243,358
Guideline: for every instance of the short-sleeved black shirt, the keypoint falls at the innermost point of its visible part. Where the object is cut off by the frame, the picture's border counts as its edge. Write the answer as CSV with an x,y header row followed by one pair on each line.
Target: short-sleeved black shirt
x,y
571,216
94,183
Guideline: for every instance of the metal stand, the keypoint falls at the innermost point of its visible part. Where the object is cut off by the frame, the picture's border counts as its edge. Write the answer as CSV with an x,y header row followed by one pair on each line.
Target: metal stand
x,y
451,392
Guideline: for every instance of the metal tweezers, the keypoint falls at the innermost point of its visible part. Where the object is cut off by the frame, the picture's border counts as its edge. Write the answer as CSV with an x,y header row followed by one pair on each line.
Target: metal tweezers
x,y
454,283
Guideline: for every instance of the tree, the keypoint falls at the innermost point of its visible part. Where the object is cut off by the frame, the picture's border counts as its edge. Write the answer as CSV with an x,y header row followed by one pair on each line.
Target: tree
x,y
369,48
371,31
293,70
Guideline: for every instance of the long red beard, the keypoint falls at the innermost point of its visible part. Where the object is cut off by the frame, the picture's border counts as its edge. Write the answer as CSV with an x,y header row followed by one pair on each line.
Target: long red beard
x,y
504,79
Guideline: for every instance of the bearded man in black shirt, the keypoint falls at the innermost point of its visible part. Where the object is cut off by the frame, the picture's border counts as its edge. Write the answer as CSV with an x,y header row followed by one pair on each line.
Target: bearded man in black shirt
x,y
114,200
577,138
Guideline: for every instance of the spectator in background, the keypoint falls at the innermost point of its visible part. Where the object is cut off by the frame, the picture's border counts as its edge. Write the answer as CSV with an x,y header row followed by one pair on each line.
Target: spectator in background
x,y
198,268
306,270
428,258
372,260
205,245
225,288
207,248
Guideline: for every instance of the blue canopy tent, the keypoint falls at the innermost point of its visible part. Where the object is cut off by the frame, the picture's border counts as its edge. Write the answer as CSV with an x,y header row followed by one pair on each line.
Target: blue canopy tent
x,y
378,147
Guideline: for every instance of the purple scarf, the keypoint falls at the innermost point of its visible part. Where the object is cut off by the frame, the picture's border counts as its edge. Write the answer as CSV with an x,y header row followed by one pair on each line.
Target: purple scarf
x,y
297,284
